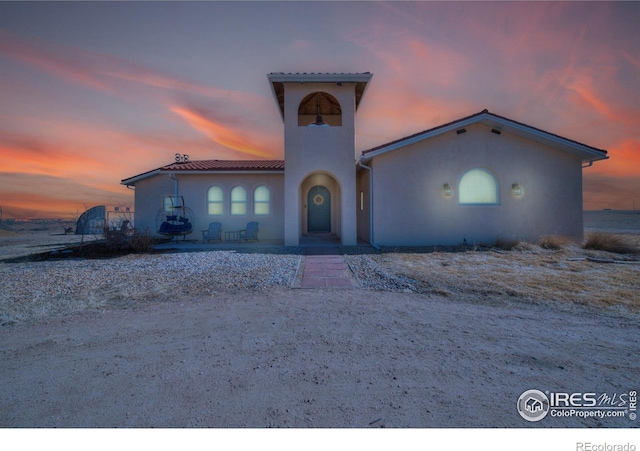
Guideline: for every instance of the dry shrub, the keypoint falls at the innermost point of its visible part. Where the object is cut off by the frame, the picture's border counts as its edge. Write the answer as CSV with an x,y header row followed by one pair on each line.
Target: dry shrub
x,y
599,241
142,241
508,245
553,243
115,239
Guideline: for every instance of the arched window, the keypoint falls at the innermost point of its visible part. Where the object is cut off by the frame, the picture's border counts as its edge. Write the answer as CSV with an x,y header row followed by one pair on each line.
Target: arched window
x,y
320,108
261,200
238,201
478,187
215,201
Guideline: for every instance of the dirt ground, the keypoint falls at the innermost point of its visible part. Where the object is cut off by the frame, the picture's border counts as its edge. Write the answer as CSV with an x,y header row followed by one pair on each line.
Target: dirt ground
x,y
311,358
315,358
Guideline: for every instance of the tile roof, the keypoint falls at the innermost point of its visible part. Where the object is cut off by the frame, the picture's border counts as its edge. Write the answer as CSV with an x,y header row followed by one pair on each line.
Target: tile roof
x,y
330,74
212,166
226,165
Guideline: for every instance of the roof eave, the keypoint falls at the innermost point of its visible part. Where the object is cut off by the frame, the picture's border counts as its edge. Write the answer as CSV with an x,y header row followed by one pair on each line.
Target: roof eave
x,y
320,78
277,81
132,180
366,156
587,153
222,171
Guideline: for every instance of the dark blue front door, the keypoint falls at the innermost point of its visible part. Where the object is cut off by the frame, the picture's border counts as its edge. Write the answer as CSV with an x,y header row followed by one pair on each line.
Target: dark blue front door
x,y
319,209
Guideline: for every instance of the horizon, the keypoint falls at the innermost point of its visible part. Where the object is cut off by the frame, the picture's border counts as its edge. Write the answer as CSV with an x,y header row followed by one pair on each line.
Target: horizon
x,y
94,93
61,219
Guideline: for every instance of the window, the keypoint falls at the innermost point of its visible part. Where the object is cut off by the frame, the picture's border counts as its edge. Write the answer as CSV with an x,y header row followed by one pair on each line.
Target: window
x,y
215,201
238,201
172,203
261,200
478,187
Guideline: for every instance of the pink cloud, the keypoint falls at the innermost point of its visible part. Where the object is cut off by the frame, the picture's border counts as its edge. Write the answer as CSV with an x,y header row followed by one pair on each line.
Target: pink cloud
x,y
102,72
52,59
624,160
222,134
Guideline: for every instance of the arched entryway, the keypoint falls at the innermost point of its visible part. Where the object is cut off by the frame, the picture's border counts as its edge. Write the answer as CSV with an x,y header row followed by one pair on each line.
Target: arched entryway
x,y
321,202
319,209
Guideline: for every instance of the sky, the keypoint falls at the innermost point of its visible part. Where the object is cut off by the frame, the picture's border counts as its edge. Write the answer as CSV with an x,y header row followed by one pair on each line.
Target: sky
x,y
95,92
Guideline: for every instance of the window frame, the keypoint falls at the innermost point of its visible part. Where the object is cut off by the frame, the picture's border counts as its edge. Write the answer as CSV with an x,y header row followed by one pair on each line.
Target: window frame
x,y
220,202
257,202
496,184
236,203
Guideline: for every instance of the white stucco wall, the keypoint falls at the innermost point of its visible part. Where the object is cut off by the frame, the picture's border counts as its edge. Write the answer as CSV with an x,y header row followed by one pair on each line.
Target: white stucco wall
x,y
410,208
319,150
148,199
194,187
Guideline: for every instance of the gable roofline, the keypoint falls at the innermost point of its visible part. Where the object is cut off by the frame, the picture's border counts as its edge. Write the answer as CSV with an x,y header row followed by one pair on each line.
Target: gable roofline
x,y
501,123
278,79
212,167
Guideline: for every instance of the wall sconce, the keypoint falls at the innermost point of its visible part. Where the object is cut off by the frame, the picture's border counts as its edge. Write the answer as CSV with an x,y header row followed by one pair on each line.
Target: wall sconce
x,y
446,190
516,189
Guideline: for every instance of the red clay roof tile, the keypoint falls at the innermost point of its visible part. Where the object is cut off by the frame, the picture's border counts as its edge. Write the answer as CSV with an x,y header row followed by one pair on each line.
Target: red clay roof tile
x,y
226,165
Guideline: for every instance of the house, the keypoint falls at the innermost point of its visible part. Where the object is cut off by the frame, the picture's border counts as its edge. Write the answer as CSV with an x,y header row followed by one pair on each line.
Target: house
x,y
533,405
477,179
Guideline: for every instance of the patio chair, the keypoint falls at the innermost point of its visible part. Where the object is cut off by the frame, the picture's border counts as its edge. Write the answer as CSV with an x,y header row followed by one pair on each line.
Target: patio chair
x,y
250,233
214,233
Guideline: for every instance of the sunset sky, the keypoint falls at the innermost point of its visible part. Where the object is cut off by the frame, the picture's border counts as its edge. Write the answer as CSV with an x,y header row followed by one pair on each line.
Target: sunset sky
x,y
92,93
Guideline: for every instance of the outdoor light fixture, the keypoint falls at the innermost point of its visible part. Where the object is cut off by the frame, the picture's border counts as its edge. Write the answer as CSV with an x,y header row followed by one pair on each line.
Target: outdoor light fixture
x,y
461,131
446,189
496,131
516,189
319,120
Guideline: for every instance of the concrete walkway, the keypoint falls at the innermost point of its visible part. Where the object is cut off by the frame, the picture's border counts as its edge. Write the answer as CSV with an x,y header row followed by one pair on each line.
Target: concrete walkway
x,y
327,271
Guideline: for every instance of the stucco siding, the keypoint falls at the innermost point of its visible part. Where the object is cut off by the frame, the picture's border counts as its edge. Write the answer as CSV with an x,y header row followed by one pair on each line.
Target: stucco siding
x,y
148,199
410,207
312,151
194,188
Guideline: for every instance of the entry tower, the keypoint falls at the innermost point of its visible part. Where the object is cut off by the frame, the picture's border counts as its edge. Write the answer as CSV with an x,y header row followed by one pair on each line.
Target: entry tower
x,y
319,112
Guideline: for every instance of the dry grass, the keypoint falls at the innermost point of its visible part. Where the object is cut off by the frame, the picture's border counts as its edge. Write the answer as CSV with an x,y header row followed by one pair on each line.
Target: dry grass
x,y
554,243
534,275
506,245
609,242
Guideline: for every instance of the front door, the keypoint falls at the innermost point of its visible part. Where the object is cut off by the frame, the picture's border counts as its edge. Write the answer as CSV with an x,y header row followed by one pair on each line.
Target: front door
x,y
319,209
